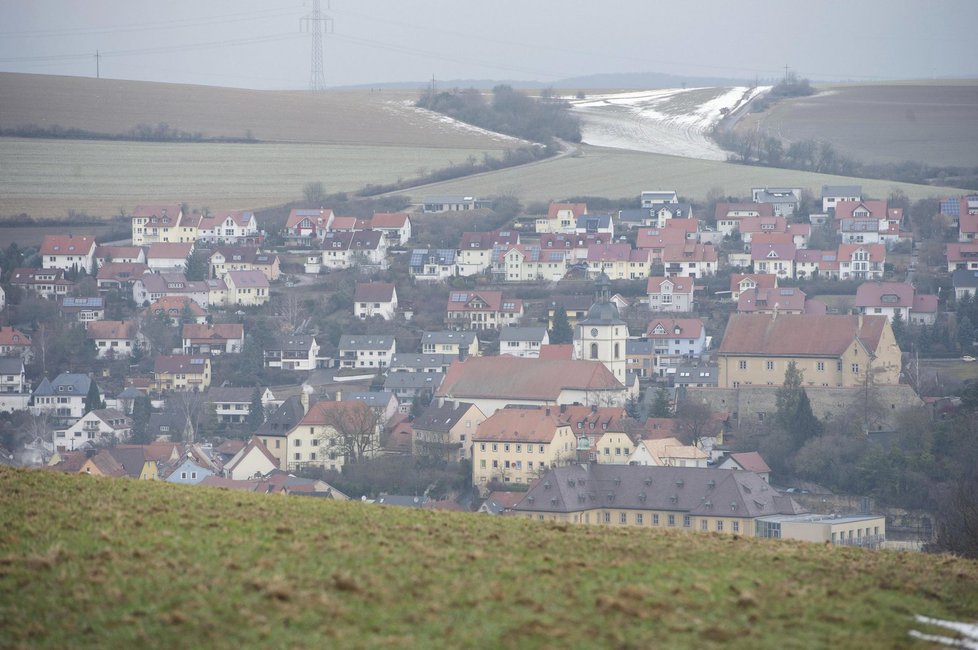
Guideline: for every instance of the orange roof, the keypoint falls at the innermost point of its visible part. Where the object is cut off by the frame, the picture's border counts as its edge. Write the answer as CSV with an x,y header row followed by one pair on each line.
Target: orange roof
x,y
659,237
520,425
389,220
10,336
322,413
176,304
578,209
761,280
689,328
111,329
67,245
560,351
799,335
523,378
224,331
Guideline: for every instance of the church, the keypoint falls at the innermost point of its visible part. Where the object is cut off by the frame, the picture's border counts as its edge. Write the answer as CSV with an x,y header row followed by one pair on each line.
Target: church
x,y
602,334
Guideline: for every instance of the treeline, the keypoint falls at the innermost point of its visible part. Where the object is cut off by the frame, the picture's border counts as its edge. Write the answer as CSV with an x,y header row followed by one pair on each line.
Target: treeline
x,y
510,112
812,155
161,132
472,165
790,86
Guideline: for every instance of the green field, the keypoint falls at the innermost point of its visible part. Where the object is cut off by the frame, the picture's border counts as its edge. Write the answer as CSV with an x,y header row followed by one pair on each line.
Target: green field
x,y
109,563
615,173
47,178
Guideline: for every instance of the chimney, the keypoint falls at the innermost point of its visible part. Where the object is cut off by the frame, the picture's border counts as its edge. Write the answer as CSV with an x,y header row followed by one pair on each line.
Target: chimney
x,y
304,397
548,411
339,396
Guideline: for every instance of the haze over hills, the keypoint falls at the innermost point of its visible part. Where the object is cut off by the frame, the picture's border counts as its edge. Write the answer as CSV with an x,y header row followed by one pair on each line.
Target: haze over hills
x,y
601,81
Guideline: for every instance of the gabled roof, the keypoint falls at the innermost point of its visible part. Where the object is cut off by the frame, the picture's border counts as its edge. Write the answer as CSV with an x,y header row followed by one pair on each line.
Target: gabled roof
x,y
247,279
11,365
761,280
10,336
254,446
689,328
513,333
121,271
656,238
283,419
176,304
181,363
538,425
294,343
577,209
486,240
168,251
799,335
230,394
102,252
557,351
760,252
160,210
449,337
724,210
523,378
217,218
876,209
678,284
366,342
132,459
751,461
374,292
884,294
215,331
322,413
877,252
65,384
841,190
441,419
389,220
67,245
318,216
111,329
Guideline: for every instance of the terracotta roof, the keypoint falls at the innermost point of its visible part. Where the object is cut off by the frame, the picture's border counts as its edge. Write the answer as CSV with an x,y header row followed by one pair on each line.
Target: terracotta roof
x,y
786,299
11,336
182,363
168,251
374,292
207,331
389,220
176,304
111,329
871,294
609,253
247,279
961,252
751,461
486,240
117,251
520,425
577,209
845,209
318,216
679,284
799,335
689,328
877,252
924,304
506,500
557,351
762,280
761,252
322,413
465,301
689,252
523,379
121,271
67,245
656,238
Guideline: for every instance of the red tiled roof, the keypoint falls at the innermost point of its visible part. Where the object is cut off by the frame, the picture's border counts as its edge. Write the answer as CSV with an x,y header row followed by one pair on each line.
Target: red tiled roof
x,y
374,292
520,425
659,237
751,461
111,329
11,336
870,294
578,209
121,271
316,217
877,252
689,328
844,209
67,245
799,335
207,331
182,363
168,251
525,379
679,284
247,279
177,304
389,220
761,280
562,351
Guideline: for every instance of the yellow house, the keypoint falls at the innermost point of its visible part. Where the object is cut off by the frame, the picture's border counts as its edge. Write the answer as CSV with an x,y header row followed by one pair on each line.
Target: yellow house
x,y
163,223
680,498
519,445
181,372
832,351
248,288
317,441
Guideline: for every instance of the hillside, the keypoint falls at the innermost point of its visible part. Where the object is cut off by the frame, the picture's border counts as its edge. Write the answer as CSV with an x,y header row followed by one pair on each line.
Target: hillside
x,y
88,562
931,122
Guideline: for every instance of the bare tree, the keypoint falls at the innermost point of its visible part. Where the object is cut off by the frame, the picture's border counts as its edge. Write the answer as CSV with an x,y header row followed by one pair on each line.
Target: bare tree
x,y
353,430
291,310
692,419
192,407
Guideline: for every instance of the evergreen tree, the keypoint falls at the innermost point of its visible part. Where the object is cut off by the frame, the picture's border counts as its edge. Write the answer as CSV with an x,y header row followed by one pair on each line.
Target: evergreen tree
x,y
631,408
562,331
93,400
198,266
141,409
966,333
660,405
256,412
899,329
788,397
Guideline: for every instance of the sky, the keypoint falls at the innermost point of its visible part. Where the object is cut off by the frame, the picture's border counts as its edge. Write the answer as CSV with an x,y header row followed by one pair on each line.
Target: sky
x,y
259,43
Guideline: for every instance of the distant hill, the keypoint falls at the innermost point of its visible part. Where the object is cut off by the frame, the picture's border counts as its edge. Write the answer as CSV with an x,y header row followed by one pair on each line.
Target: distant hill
x,y
603,81
93,562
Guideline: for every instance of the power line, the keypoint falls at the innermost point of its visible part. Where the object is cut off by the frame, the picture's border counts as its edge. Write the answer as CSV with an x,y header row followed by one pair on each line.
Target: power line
x,y
316,23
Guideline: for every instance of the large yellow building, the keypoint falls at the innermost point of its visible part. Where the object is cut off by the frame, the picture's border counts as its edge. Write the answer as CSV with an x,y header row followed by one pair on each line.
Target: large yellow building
x,y
518,445
681,498
831,351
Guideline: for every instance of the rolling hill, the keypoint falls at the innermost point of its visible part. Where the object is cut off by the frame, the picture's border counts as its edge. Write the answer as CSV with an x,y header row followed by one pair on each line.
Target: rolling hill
x,y
91,562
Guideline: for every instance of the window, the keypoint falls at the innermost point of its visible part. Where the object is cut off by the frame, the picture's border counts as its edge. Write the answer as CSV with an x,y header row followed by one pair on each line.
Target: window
x,y
769,365
820,366
183,475
855,368
639,518
672,520
506,447
742,364
482,446
607,517
298,456
719,525
622,518
736,526
687,522
594,350
704,525
838,366
655,520
482,464
193,474
298,443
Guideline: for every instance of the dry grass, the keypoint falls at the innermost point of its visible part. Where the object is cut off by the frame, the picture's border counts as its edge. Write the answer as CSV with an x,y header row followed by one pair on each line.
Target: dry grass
x,y
934,123
87,562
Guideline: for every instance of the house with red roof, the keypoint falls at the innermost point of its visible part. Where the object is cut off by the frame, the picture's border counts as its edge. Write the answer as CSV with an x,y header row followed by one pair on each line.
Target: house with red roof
x,y
618,262
774,259
670,294
162,223
475,249
529,263
181,372
307,226
212,339
375,299
519,445
47,283
784,300
175,308
482,310
119,275
68,252
125,254
890,298
342,250
677,337
229,227
961,256
561,217
740,282
835,351
14,343
396,226
861,261
252,462
748,461
113,338
163,257
690,260
729,215
657,240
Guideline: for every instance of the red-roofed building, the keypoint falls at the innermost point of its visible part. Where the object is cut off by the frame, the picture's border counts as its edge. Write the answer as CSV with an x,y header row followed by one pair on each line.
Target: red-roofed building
x,y
861,261
830,350
113,338
208,339
774,259
229,227
68,252
482,310
375,299
786,300
396,226
618,262
475,249
561,217
690,260
729,215
670,294
557,351
160,223
307,227
962,256
657,240
749,461
677,337
14,343
519,445
175,307
47,283
125,254
890,298
181,372
740,282
119,275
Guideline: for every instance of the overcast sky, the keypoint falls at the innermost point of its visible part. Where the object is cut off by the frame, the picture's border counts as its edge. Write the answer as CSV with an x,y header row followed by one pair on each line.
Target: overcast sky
x,y
258,43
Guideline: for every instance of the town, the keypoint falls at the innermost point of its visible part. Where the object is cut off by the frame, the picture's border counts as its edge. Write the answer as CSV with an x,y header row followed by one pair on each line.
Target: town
x,y
645,366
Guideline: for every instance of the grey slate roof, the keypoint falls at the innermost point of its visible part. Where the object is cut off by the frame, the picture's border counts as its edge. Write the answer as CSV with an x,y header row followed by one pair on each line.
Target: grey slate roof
x,y
379,399
842,190
412,361
684,490
522,333
295,343
283,419
230,394
11,365
365,342
962,278
415,380
448,337
67,383
441,418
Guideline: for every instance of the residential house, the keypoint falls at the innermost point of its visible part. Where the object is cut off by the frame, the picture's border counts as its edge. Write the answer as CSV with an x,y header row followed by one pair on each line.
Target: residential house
x,y
396,226
492,383
475,249
784,300
168,257
618,262
653,198
96,427
14,343
964,211
433,265
243,258
212,339
774,259
253,461
446,431
740,282
457,344
833,194
162,223
119,255
83,310
962,256
815,263
679,498
861,261
220,227
297,352
453,203
784,200
729,215
965,283
561,217
151,287
482,310
690,260
594,223
670,294
529,263
119,275
232,405
411,386
749,226
66,397
675,340
317,440
747,461
522,341
14,390
181,372
68,253
361,248
640,358
383,403
247,288
667,452
307,227
177,309
414,362
113,338
574,246
695,375
829,350
519,445
375,299
47,283
185,471
368,351
890,298
657,240
500,502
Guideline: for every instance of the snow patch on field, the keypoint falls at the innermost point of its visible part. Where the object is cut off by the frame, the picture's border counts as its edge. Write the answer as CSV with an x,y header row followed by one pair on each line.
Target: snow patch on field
x,y
405,109
673,121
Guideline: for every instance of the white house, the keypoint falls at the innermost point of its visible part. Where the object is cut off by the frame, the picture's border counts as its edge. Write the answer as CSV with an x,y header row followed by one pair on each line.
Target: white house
x,y
832,194
253,461
433,265
670,294
523,341
228,227
652,198
14,390
68,252
667,452
366,351
63,397
164,257
375,299
113,338
345,249
293,353
396,226
95,427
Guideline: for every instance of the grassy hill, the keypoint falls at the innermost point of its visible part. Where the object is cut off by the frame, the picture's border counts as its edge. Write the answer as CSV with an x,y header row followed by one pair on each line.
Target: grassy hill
x,y
88,562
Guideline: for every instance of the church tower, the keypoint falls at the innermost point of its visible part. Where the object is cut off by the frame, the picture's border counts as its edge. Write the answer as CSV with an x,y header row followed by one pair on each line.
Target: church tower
x,y
602,335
